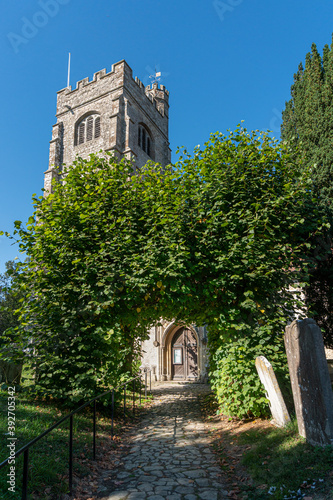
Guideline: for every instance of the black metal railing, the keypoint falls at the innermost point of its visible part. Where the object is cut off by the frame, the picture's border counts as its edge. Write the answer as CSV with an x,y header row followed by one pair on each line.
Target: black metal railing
x,y
70,416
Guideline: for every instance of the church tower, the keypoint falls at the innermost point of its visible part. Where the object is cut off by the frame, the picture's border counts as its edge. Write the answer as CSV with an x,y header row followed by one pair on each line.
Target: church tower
x,y
112,112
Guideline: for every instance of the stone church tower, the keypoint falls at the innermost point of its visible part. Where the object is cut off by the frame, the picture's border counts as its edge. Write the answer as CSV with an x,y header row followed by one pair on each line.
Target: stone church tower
x,y
114,112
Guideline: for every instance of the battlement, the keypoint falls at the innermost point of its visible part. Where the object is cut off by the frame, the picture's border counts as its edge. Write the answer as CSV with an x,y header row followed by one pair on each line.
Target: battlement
x,y
156,87
120,75
111,112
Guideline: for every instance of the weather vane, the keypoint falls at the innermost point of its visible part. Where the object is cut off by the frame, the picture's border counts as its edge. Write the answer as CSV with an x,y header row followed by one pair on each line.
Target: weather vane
x,y
156,77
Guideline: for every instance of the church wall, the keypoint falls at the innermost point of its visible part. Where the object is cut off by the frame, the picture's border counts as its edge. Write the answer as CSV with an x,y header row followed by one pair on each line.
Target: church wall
x,y
156,351
122,103
150,353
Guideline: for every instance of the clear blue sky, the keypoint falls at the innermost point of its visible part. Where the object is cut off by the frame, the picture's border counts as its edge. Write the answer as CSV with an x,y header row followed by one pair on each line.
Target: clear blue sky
x,y
222,62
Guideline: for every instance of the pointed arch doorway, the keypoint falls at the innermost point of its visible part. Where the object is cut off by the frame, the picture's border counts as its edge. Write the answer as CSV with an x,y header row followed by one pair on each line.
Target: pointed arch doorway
x,y
184,355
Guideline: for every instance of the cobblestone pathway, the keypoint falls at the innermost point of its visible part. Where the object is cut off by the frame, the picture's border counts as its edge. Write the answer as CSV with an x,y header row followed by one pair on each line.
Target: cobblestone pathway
x,y
169,456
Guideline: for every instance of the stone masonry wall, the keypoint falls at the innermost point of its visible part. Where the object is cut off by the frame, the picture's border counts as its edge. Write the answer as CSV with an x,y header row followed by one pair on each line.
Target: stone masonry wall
x,y
122,103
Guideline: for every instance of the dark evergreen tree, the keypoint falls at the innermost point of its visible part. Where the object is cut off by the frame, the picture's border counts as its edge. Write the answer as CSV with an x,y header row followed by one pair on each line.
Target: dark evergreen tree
x,y
308,118
307,122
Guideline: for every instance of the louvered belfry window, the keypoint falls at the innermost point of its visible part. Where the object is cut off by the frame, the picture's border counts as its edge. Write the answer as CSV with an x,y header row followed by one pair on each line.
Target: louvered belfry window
x,y
88,128
97,126
148,146
143,146
144,140
82,127
90,124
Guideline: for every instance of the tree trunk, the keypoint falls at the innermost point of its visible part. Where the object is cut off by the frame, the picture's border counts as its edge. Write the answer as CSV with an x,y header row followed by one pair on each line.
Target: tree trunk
x,y
10,373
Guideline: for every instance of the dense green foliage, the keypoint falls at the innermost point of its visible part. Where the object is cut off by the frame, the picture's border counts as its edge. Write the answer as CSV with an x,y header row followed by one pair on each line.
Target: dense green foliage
x,y
9,299
308,117
235,380
218,239
308,124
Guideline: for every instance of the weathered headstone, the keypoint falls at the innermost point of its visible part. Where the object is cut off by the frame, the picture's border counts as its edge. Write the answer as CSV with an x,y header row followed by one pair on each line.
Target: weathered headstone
x,y
276,402
310,381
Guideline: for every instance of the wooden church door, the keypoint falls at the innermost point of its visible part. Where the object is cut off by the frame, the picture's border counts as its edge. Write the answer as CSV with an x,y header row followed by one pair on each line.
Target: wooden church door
x,y
184,352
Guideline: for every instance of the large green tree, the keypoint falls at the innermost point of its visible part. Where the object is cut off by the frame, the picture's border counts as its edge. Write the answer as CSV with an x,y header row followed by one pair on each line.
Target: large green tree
x,y
308,117
308,124
219,238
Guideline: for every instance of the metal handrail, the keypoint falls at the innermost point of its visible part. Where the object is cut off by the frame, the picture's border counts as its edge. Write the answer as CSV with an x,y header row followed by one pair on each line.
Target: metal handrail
x,y
25,448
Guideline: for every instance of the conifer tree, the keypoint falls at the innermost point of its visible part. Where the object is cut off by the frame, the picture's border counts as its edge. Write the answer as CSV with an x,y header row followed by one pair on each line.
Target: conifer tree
x,y
308,118
307,121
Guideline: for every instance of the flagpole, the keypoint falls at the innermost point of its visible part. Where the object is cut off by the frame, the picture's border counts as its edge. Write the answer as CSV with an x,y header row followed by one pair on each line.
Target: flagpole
x,y
69,68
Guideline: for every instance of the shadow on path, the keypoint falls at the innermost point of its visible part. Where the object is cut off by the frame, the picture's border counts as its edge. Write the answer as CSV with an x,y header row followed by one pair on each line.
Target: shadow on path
x,y
168,456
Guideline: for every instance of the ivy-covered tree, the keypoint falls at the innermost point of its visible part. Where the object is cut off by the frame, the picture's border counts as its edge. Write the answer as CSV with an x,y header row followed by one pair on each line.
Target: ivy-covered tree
x,y
217,239
308,123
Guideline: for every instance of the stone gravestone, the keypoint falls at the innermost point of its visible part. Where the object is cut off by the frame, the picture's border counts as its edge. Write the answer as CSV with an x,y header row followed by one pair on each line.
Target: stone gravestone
x,y
310,381
276,402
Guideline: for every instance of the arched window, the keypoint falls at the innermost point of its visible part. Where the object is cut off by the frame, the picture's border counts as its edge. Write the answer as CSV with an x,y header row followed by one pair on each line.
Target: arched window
x,y
144,140
88,128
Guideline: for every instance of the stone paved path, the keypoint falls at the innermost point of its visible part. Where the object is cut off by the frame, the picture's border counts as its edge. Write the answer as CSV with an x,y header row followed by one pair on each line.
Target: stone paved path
x,y
169,455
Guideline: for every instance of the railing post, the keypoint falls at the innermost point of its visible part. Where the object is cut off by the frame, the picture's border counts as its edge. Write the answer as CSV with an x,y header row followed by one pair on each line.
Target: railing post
x,y
150,381
25,475
25,450
94,432
112,412
71,455
125,401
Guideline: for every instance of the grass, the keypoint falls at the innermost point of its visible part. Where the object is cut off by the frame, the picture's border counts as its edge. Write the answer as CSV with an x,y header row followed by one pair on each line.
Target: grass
x,y
48,459
285,463
260,461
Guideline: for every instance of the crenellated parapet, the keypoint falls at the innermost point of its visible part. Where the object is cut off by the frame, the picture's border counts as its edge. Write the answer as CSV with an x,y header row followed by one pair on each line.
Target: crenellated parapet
x,y
112,112
155,94
160,96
